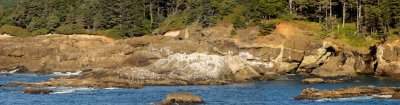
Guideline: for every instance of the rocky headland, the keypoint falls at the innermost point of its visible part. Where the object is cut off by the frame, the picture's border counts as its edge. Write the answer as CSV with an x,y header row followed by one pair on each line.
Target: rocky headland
x,y
191,56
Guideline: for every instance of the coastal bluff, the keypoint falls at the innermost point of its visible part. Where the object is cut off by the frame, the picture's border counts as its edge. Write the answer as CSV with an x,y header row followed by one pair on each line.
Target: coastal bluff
x,y
204,56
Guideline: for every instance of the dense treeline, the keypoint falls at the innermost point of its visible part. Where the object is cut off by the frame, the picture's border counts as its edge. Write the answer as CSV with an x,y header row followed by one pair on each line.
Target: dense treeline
x,y
129,18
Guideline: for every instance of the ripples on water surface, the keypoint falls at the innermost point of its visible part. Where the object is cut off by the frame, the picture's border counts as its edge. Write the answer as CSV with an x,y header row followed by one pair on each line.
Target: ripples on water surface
x,y
256,93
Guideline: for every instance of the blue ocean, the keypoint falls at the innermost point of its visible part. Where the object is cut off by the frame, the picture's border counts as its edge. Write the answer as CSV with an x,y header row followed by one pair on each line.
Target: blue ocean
x,y
277,92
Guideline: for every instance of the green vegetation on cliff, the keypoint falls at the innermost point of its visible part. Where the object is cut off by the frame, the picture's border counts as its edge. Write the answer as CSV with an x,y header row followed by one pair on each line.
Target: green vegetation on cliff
x,y
352,20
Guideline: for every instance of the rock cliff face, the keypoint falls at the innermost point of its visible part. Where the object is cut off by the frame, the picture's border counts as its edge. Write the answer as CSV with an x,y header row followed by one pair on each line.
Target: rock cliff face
x,y
388,62
195,56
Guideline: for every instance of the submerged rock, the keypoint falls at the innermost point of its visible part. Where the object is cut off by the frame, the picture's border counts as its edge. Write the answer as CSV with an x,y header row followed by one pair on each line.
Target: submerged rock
x,y
312,80
30,90
315,94
340,80
321,80
182,98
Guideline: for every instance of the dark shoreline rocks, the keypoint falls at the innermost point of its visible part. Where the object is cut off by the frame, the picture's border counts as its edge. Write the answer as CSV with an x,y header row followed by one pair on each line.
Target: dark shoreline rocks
x,y
316,94
182,98
30,90
89,83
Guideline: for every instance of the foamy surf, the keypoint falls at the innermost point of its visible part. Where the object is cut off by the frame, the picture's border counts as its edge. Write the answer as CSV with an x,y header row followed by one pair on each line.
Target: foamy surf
x,y
70,90
112,88
13,71
355,98
67,73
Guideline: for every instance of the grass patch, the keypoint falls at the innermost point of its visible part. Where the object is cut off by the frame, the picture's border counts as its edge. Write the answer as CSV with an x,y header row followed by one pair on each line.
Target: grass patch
x,y
347,34
42,31
112,33
14,31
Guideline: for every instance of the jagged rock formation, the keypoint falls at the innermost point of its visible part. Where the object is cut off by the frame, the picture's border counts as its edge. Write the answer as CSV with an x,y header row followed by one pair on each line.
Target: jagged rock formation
x,y
192,56
388,63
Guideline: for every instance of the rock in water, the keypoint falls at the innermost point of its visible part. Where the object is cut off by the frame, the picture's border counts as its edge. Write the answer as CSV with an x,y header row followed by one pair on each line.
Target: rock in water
x,y
181,98
315,94
320,80
396,96
312,80
36,91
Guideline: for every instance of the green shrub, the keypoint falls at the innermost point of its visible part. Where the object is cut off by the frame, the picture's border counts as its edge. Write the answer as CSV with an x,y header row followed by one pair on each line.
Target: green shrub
x,y
266,28
175,22
69,29
396,31
13,30
42,31
238,22
89,32
233,32
112,33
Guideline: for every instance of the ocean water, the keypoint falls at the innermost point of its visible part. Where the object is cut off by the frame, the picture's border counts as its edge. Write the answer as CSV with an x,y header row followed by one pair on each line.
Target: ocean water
x,y
278,92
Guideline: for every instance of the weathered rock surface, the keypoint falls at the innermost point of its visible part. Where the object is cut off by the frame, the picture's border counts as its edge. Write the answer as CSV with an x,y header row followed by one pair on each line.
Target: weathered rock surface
x,y
321,80
177,69
396,96
312,80
191,56
150,60
30,90
181,98
315,94
388,62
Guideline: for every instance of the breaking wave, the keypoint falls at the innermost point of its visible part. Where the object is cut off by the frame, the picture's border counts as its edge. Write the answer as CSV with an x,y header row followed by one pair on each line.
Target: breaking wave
x,y
355,98
67,73
67,90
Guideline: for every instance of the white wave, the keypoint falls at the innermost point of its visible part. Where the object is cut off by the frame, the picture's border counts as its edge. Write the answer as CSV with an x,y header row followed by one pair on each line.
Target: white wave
x,y
112,88
9,72
325,99
63,92
67,73
70,90
382,96
355,98
13,71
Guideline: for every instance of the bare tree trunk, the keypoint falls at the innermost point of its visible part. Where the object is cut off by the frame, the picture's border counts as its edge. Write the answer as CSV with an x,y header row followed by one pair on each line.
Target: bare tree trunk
x,y
359,16
291,6
326,13
330,8
151,15
177,4
319,17
344,13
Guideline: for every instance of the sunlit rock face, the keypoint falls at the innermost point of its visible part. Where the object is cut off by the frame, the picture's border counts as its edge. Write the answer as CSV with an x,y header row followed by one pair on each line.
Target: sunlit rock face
x,y
200,66
388,62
